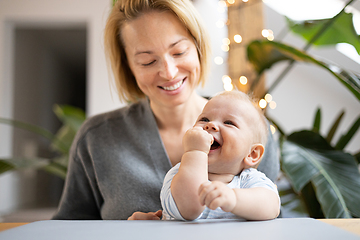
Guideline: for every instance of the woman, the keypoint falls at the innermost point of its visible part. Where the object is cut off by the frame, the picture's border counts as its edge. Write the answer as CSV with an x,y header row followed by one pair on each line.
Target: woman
x,y
158,50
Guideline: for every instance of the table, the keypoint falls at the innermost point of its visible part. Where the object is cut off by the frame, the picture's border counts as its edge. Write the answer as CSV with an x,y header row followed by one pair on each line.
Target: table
x,y
350,225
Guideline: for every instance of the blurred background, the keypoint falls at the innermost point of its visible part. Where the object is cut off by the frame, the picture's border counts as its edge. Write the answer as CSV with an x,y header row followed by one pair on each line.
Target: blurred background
x,y
51,52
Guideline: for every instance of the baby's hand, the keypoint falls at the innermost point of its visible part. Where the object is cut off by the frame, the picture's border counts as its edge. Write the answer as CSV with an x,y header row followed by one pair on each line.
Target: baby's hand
x,y
197,138
217,194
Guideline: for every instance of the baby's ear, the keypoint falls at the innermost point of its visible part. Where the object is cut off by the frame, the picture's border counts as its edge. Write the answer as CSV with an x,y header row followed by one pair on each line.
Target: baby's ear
x,y
255,155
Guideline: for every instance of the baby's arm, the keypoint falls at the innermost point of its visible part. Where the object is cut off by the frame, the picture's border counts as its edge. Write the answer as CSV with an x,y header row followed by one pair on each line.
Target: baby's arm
x,y
192,173
257,203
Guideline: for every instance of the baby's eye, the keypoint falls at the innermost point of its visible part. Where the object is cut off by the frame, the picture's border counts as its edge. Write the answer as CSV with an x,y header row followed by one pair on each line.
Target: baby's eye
x,y
228,122
204,119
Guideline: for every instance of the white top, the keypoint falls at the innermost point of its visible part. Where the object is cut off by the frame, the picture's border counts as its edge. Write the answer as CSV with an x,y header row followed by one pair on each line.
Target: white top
x,y
249,178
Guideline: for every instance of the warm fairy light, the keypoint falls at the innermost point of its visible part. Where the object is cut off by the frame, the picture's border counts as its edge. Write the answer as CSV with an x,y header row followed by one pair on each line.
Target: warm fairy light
x,y
272,129
226,79
243,80
228,87
237,38
231,1
226,41
272,105
262,103
218,60
270,38
222,4
245,0
220,24
225,47
265,33
268,97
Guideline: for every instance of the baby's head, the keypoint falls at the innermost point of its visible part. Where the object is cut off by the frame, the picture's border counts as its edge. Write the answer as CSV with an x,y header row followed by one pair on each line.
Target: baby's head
x,y
239,130
258,124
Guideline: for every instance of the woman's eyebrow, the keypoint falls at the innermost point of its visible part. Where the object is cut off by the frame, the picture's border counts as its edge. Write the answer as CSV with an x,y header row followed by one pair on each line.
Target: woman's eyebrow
x,y
170,46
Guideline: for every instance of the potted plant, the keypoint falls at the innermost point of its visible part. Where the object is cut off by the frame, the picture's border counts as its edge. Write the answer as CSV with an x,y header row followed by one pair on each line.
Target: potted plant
x,y
323,175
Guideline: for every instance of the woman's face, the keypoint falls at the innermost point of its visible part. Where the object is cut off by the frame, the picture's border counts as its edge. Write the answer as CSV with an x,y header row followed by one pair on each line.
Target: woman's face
x,y
163,57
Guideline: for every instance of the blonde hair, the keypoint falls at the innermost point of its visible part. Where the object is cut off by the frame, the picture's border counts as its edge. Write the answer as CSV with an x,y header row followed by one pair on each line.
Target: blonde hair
x,y
127,10
261,130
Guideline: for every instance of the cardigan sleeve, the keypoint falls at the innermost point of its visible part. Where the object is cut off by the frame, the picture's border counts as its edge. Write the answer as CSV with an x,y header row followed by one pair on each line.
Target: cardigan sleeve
x,y
78,200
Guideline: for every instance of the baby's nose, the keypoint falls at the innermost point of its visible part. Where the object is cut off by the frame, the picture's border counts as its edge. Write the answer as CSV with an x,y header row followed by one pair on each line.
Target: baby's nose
x,y
211,126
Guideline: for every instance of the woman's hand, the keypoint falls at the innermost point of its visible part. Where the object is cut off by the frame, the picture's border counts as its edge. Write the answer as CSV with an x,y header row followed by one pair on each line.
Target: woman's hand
x,y
146,216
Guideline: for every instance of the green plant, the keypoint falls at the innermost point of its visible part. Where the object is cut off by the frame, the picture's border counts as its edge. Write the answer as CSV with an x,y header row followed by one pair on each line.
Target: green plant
x,y
323,176
72,118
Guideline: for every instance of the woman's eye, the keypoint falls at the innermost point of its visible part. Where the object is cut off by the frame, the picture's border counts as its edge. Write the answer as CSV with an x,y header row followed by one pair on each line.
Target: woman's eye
x,y
179,54
148,64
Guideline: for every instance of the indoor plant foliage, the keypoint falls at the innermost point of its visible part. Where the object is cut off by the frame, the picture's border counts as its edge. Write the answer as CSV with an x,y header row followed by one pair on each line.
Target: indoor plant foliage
x,y
72,118
322,174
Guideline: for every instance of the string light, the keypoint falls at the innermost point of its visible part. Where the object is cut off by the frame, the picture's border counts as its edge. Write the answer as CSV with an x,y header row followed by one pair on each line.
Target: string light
x,y
221,6
272,129
218,60
225,48
227,83
226,41
267,33
226,79
262,103
272,105
231,1
243,80
237,38
220,24
245,1
268,97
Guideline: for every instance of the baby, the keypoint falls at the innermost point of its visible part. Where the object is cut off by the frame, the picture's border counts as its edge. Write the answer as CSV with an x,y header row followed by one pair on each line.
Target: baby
x,y
217,176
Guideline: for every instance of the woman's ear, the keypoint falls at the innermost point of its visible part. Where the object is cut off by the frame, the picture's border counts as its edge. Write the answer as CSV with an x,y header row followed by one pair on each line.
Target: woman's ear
x,y
255,155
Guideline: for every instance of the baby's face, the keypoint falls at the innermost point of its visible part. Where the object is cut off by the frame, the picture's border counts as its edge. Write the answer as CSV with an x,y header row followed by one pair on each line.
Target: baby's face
x,y
230,121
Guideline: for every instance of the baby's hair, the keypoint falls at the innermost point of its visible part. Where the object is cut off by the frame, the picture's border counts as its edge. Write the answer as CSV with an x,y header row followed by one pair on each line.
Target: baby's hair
x,y
260,131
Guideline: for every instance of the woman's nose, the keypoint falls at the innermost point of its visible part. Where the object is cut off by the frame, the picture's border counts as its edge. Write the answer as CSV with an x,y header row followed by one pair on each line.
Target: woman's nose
x,y
168,69
210,126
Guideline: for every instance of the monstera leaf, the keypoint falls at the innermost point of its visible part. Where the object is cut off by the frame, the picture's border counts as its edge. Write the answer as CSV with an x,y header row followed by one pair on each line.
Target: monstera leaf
x,y
264,54
333,175
341,31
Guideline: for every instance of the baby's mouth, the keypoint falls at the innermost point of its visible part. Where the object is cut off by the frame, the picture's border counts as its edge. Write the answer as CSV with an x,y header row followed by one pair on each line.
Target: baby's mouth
x,y
215,145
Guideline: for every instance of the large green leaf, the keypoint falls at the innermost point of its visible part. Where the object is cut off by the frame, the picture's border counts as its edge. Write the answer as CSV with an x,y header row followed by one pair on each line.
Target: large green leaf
x,y
264,54
37,130
345,139
5,166
334,127
72,118
21,163
317,121
341,31
69,115
333,174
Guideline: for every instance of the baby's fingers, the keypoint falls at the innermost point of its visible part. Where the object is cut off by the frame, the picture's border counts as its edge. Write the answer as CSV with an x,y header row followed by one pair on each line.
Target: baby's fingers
x,y
204,189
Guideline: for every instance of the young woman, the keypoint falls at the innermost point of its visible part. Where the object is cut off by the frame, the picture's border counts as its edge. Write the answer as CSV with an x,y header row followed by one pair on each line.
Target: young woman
x,y
159,54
